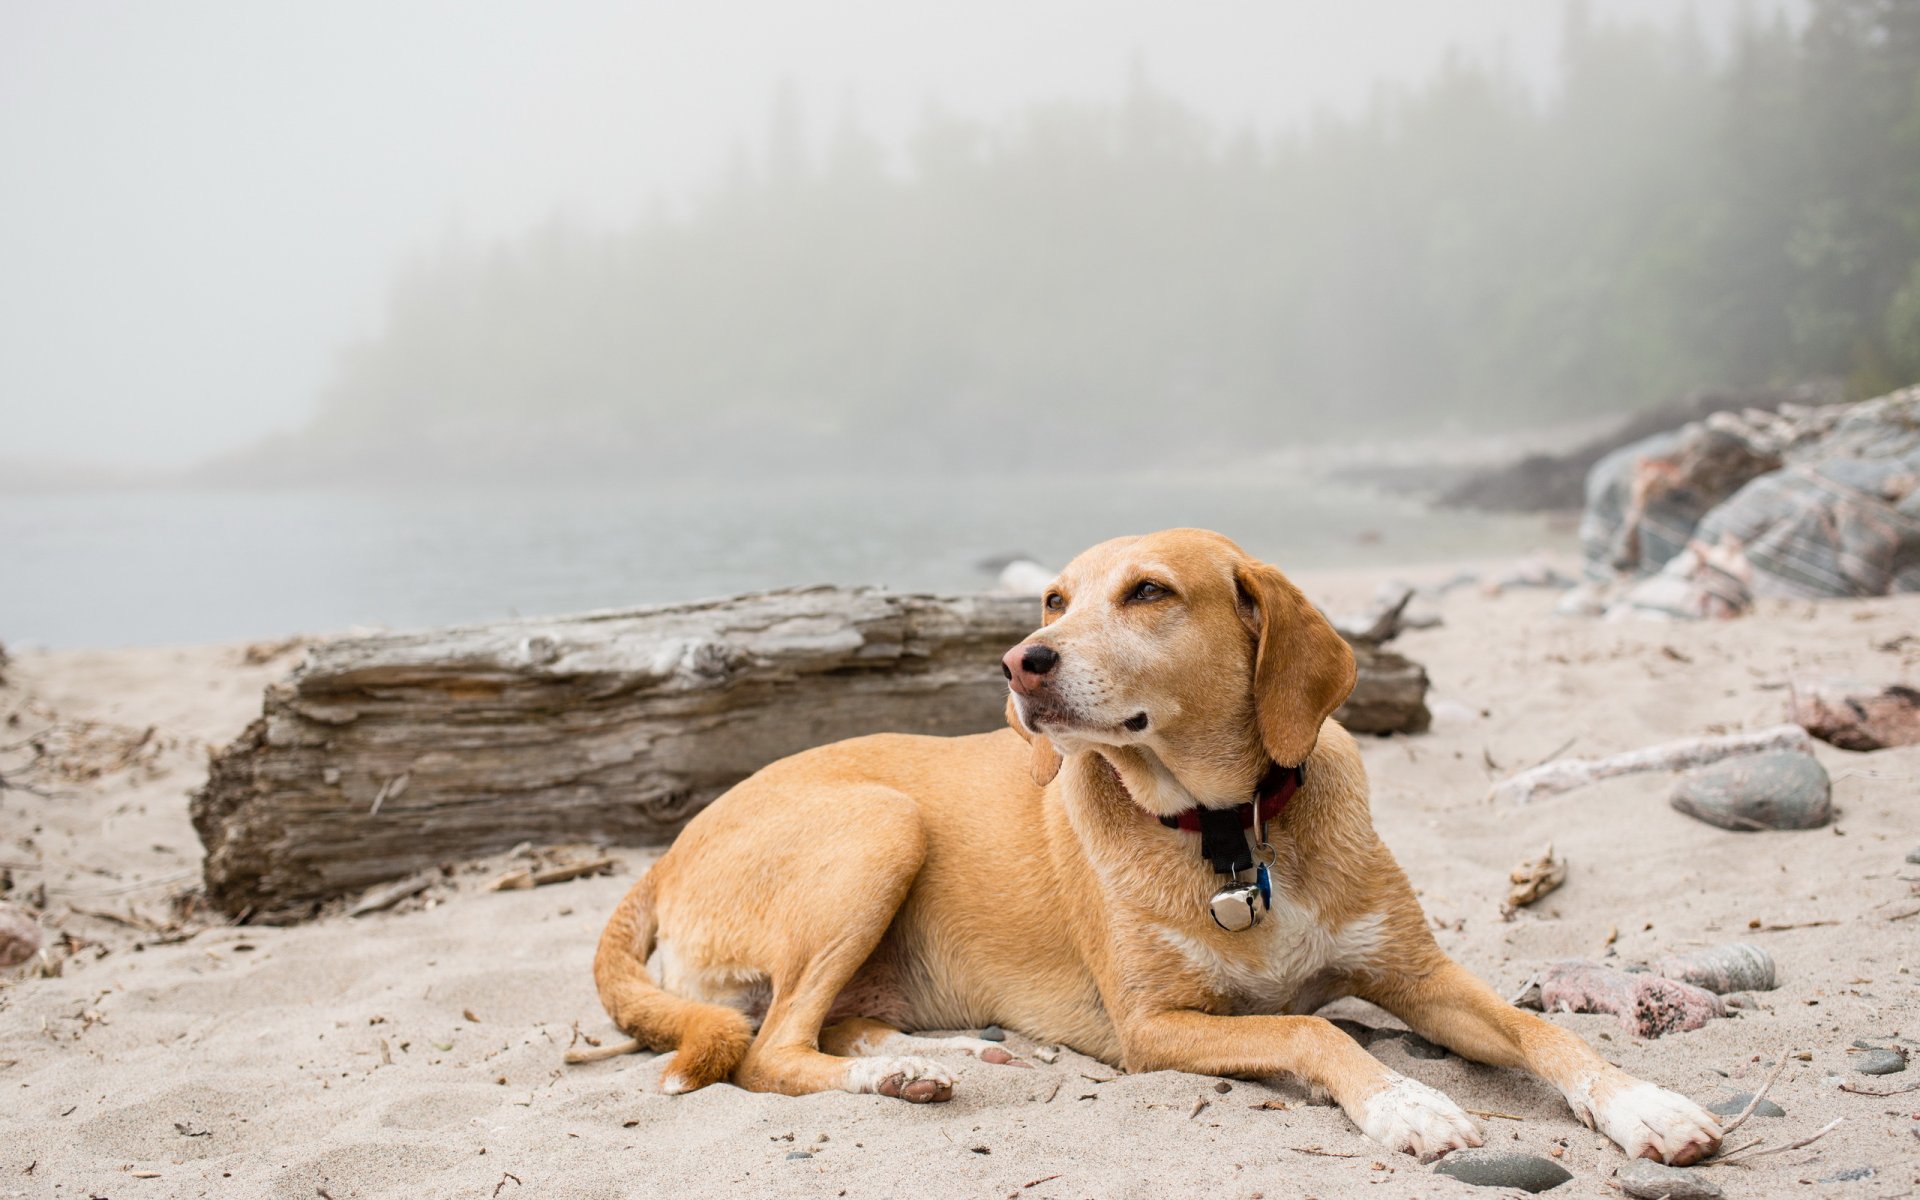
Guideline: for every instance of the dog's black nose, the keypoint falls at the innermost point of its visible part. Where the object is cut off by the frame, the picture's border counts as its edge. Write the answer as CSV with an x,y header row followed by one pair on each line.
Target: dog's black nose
x,y
1038,660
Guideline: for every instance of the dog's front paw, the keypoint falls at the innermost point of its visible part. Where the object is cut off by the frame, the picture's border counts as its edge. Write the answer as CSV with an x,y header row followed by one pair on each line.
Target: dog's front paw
x,y
1413,1118
915,1080
1652,1122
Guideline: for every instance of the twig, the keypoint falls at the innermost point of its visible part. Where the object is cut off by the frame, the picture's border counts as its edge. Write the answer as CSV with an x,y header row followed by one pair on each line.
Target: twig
x,y
1037,1182
1481,1112
390,895
1730,1126
1903,916
613,1050
1860,1091
1741,1155
1198,1104
526,878
1322,1153
1566,774
1564,747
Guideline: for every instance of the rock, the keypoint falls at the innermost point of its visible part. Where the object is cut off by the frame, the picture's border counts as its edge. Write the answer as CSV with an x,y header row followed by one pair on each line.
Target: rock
x,y
793,1154
1879,1061
1645,1179
1503,1168
1736,1105
1803,503
1856,716
1848,1175
1647,1005
1913,855
1758,792
1222,1086
20,936
1732,967
993,1033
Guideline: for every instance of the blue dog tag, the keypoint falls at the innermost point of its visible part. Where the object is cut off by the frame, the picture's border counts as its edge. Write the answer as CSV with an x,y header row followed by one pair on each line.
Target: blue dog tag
x,y
1265,884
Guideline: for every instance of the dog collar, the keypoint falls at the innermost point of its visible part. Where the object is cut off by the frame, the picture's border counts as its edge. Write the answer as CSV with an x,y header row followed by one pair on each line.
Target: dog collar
x,y
1270,800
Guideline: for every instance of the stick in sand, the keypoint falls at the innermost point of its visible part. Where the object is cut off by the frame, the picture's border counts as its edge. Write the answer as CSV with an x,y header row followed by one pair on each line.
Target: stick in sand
x,y
1568,773
598,1053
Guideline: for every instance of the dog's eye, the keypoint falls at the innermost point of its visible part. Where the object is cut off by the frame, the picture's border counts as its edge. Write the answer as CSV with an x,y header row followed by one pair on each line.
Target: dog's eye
x,y
1146,591
1056,602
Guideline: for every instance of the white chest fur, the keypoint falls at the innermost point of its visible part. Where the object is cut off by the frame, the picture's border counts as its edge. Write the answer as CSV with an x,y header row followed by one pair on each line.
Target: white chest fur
x,y
1280,965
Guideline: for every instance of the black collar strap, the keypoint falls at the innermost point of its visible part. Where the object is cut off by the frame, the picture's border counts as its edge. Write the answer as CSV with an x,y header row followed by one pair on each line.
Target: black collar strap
x,y
1222,833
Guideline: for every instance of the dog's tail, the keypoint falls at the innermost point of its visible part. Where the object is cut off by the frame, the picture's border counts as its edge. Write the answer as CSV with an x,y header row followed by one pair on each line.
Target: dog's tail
x,y
708,1040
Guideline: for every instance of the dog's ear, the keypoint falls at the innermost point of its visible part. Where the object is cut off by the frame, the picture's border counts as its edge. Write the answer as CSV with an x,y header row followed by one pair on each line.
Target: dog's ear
x,y
1302,669
1045,762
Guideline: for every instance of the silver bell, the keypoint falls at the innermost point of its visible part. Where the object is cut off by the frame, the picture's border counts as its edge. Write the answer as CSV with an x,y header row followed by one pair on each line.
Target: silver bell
x,y
1236,907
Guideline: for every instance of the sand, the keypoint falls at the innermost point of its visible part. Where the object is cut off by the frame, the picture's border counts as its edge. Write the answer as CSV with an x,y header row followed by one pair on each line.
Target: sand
x,y
417,1052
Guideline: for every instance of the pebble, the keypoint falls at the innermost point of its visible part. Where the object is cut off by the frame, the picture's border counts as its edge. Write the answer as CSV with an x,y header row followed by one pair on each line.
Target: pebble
x,y
793,1154
1913,855
1733,1107
1503,1168
1758,791
1879,1061
1222,1086
993,1033
1848,1175
1645,1179
1731,967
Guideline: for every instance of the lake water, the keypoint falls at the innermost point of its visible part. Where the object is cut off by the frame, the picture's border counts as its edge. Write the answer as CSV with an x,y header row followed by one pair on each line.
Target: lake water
x,y
174,566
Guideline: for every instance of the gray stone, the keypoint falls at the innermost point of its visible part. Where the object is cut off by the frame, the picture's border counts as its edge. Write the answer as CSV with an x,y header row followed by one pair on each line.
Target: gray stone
x,y
793,1154
1758,791
1848,1175
1503,1168
1645,1179
1879,1061
993,1033
1734,1106
1913,855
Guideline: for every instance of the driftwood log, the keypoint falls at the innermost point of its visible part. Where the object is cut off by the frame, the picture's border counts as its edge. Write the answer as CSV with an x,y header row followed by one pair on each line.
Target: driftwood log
x,y
381,756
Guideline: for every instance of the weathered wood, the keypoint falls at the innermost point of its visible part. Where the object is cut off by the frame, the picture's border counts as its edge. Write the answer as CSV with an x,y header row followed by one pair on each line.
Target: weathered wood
x,y
1563,775
382,755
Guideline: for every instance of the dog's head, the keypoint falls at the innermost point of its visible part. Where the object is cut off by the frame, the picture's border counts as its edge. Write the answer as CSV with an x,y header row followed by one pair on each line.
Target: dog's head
x,y
1179,644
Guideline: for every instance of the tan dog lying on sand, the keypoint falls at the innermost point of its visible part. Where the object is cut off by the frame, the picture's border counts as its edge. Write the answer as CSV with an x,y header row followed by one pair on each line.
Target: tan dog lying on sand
x,y
940,883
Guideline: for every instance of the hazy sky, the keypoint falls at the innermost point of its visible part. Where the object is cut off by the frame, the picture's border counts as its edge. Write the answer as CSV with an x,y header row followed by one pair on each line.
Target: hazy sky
x,y
201,202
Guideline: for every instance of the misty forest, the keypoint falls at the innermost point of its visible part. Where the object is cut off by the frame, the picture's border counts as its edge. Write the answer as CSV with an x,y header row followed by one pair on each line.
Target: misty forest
x,y
1678,210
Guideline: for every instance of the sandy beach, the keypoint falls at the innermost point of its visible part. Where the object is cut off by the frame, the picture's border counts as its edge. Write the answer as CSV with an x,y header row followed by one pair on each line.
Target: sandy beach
x,y
417,1052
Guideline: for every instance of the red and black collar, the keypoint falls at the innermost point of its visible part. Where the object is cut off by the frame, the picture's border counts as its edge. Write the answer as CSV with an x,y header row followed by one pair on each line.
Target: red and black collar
x,y
1223,839
1276,787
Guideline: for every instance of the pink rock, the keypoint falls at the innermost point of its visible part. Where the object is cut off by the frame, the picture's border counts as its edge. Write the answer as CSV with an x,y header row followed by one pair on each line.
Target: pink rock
x,y
1647,1005
1855,716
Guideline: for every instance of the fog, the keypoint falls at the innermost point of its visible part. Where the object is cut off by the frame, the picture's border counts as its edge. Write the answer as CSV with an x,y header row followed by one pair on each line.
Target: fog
x,y
207,207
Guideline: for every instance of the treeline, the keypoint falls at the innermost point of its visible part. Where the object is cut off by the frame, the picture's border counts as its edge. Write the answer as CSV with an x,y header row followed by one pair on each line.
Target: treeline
x,y
1677,213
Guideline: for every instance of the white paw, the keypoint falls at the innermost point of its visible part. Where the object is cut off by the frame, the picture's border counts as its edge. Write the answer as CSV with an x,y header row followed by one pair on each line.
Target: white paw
x,y
1650,1122
916,1080
1412,1118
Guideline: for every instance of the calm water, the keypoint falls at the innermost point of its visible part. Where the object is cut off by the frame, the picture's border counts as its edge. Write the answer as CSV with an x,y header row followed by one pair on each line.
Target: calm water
x,y
181,566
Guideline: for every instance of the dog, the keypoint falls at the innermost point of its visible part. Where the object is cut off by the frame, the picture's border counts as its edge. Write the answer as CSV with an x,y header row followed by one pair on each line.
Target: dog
x,y
1046,878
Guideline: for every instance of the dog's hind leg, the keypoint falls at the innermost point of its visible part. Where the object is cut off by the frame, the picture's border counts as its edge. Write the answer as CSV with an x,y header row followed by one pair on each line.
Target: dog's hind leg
x,y
864,1036
847,890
